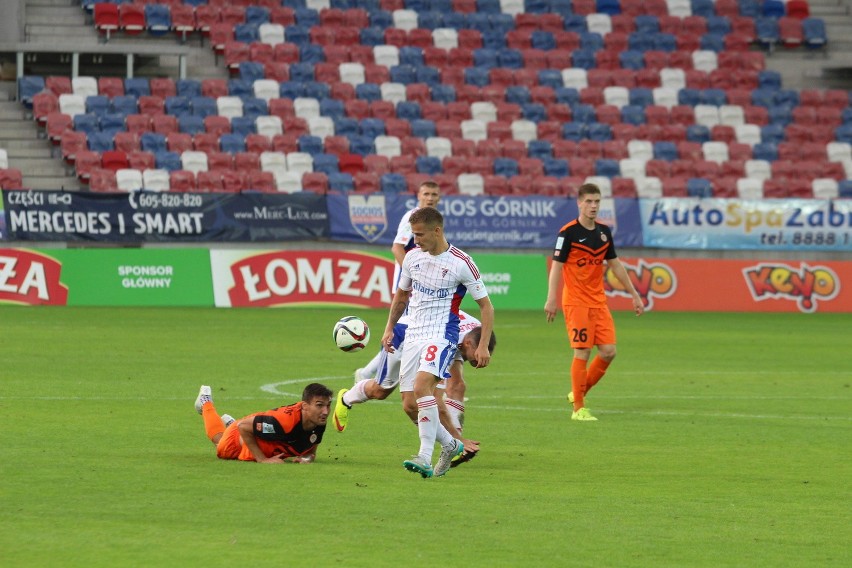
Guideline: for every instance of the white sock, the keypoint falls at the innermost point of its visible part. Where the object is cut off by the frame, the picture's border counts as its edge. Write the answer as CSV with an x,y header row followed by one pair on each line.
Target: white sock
x,y
443,437
427,424
373,366
356,395
456,410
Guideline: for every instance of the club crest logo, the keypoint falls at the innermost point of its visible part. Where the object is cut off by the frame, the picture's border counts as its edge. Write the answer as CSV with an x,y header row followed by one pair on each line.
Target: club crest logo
x,y
368,215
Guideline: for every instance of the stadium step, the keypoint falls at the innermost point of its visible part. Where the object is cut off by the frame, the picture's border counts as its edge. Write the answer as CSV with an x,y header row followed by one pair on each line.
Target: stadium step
x,y
51,182
50,15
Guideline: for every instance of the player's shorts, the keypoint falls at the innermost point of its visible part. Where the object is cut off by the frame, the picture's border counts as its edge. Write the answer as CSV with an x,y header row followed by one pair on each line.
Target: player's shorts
x,y
230,446
588,327
433,356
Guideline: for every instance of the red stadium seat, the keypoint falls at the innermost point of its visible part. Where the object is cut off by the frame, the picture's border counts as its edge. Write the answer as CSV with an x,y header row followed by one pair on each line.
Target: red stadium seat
x,y
106,18
131,18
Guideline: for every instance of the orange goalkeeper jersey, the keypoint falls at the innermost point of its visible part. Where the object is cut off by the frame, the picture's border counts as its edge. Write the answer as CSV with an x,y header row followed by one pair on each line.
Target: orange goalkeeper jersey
x,y
584,253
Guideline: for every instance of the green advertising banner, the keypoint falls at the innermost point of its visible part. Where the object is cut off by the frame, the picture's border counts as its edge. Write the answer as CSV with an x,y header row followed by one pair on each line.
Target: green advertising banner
x,y
106,277
514,281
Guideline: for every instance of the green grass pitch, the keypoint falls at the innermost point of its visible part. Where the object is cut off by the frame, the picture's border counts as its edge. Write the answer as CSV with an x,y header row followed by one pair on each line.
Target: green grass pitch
x,y
722,440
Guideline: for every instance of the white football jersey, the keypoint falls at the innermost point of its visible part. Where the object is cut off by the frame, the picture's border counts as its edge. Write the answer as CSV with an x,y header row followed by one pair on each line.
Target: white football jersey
x,y
437,285
404,238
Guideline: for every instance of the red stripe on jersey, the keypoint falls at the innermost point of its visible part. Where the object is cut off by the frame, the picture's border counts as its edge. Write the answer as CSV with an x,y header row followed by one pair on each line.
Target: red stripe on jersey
x,y
457,253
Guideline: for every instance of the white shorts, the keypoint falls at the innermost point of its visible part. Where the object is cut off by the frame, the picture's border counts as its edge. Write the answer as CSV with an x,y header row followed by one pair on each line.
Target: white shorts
x,y
433,356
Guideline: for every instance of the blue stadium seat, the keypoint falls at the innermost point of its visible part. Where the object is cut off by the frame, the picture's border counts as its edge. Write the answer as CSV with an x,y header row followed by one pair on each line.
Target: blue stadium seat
x,y
243,126
699,187
640,41
28,87
342,182
125,104
543,40
763,97
326,163
405,74
607,168
372,36
518,94
719,25
100,141
844,189
97,105
630,59
191,124
381,19
423,128
540,149
506,167
575,131
310,144
550,78
611,7
647,24
767,31
454,20
574,23
502,22
599,132
749,8
567,96
716,97
240,88
633,114
158,19
299,35
152,142
430,20
429,165
665,42
665,150
177,106
186,87
86,123
689,97
232,143
332,108
137,86
477,76
409,55
697,133
780,114
485,58
291,90
641,96
345,126
713,42
765,151
493,39
813,30
317,90
585,114
393,183
556,167
584,59
361,145
787,97
773,9
772,133
169,161
703,8
203,106
246,33
408,110
769,79
427,75
254,107
251,71
510,59
257,15
368,91
536,6
443,93
591,41
307,17
372,127
535,112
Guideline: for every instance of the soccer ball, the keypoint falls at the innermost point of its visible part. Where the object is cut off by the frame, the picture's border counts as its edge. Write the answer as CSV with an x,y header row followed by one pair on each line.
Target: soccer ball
x,y
351,334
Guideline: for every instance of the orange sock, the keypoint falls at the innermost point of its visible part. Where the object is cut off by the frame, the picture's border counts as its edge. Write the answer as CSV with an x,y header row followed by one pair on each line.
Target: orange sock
x,y
596,372
578,381
212,421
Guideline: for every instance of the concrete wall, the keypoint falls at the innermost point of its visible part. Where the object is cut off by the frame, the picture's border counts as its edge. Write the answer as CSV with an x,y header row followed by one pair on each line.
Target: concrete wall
x,y
12,20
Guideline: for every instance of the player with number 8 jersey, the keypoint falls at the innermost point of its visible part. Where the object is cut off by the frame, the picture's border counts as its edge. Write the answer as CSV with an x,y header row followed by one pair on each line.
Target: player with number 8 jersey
x,y
435,277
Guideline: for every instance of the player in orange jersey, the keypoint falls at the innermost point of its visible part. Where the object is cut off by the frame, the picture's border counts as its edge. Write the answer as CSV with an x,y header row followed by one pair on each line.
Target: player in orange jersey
x,y
583,248
284,434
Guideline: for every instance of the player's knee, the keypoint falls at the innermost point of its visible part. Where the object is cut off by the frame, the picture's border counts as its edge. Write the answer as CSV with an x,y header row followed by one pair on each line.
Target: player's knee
x,y
379,393
607,352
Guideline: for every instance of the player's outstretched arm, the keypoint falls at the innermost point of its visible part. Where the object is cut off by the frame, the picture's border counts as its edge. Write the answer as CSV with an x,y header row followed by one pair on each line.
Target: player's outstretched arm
x,y
621,273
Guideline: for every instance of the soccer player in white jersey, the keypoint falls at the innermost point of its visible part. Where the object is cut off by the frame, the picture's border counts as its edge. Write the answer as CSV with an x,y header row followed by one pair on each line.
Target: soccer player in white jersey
x,y
387,378
428,195
435,277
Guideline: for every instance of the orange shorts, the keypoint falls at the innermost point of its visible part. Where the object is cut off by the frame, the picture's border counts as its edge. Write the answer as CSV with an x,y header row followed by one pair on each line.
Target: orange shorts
x,y
588,327
231,445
